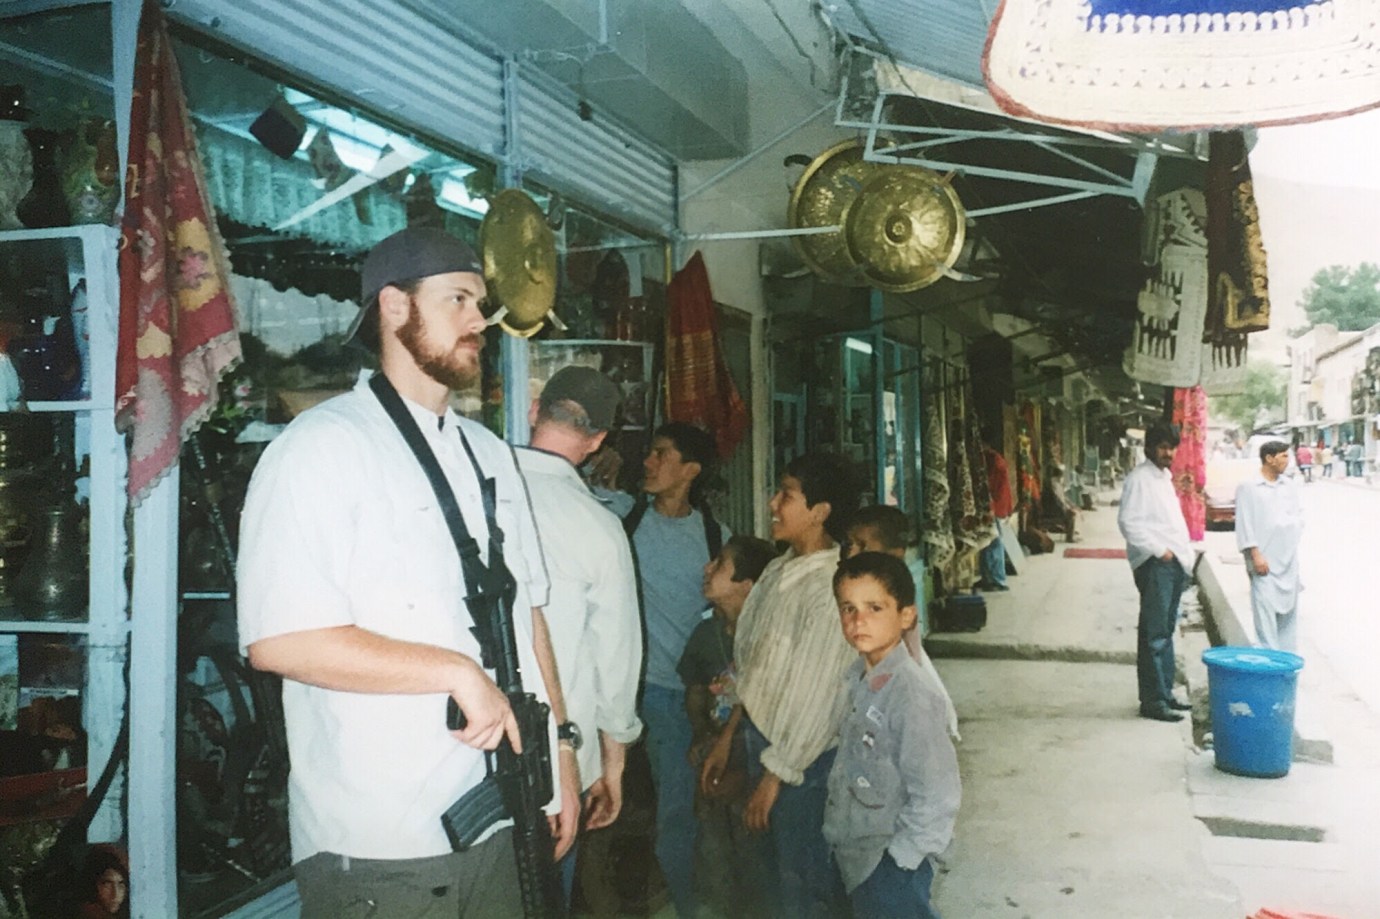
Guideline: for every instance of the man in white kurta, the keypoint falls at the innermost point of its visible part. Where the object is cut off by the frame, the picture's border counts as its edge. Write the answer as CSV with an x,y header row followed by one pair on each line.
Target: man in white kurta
x,y
1269,526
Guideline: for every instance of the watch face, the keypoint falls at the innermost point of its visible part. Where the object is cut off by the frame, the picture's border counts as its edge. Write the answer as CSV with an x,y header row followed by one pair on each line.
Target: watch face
x,y
570,731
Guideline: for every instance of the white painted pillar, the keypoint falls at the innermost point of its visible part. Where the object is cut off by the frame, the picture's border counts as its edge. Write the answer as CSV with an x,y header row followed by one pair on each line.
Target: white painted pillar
x,y
153,704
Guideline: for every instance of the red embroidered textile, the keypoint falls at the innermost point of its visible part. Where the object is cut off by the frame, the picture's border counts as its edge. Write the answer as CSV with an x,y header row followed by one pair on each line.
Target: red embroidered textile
x,y
999,482
698,385
1190,460
177,333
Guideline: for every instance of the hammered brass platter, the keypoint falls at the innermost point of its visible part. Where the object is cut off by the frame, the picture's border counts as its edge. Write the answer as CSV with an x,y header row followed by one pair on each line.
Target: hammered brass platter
x,y
519,252
820,199
904,228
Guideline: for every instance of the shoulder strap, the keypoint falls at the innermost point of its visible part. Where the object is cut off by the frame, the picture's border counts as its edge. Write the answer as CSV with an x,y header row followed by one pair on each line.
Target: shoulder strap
x,y
455,522
634,518
713,536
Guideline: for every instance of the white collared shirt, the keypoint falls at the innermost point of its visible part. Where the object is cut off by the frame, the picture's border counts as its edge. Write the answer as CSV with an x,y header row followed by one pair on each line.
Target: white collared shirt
x,y
341,528
790,653
1151,518
592,614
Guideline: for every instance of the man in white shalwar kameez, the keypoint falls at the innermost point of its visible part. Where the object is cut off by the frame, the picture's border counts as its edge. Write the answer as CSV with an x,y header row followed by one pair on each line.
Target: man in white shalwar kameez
x,y
1269,525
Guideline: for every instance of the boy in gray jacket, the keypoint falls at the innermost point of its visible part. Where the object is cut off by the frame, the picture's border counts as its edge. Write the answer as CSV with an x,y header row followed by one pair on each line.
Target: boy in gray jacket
x,y
894,789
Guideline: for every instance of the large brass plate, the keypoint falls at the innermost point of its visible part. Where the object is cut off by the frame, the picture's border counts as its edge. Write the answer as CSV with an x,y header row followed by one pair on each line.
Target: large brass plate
x,y
519,252
820,199
904,229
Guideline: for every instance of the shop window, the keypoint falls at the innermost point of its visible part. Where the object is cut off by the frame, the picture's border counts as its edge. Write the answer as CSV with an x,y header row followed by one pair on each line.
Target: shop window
x,y
609,314
61,619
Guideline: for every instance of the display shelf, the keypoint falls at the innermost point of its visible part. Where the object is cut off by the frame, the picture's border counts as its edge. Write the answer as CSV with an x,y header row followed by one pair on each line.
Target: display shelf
x,y
63,257
589,342
38,625
82,405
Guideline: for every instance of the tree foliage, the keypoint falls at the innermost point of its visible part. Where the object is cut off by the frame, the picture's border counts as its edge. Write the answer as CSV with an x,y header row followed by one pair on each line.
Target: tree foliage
x,y
1261,401
1348,298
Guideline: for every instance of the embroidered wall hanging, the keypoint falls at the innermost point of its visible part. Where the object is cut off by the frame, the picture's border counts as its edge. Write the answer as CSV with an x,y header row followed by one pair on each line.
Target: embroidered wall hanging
x,y
1148,65
1166,345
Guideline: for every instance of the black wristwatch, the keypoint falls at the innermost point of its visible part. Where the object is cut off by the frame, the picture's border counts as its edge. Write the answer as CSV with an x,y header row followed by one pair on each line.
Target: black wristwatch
x,y
570,731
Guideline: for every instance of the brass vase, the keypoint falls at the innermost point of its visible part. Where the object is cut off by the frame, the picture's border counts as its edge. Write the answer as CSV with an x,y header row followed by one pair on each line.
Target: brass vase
x,y
17,492
91,171
53,583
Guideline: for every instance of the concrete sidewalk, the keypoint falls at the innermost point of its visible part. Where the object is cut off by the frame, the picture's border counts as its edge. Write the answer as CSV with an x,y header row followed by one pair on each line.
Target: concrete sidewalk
x,y
1307,841
1073,805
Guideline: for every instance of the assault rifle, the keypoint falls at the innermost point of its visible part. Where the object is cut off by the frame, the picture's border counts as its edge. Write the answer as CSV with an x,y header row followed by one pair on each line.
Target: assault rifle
x,y
518,784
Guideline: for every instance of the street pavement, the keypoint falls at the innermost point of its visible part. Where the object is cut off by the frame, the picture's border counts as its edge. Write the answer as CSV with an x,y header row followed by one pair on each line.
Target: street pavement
x,y
1073,806
1334,801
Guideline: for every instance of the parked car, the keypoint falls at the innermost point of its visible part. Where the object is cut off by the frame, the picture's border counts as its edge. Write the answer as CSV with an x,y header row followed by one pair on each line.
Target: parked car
x,y
1223,475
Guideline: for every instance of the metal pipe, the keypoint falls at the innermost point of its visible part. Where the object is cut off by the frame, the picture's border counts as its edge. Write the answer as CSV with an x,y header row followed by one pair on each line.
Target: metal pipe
x,y
742,161
763,234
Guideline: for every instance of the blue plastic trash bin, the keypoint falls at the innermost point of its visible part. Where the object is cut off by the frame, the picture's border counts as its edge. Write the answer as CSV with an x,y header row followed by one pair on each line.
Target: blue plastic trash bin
x,y
1251,695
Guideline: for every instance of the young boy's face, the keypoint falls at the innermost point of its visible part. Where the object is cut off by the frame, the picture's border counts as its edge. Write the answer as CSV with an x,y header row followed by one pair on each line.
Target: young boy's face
x,y
723,593
872,622
791,516
869,539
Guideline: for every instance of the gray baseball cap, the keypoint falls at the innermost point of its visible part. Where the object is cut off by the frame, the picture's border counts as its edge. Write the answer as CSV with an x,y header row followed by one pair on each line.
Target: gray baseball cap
x,y
407,255
588,388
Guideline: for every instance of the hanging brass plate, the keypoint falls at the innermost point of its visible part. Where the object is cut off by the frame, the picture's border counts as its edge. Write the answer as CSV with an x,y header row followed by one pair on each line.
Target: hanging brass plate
x,y
904,228
820,199
519,252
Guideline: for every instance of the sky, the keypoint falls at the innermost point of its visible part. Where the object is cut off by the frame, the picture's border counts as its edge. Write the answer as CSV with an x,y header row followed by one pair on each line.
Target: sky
x,y
1318,190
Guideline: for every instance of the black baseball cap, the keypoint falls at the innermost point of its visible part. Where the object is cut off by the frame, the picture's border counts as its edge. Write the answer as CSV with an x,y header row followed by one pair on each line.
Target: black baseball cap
x,y
588,388
407,255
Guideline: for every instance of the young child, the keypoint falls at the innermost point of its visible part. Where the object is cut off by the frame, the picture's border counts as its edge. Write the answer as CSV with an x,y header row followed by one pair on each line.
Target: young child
x,y
790,657
886,529
728,862
894,788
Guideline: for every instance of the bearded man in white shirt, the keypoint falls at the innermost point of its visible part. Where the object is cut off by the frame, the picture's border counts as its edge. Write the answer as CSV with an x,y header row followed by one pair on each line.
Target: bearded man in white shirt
x,y
351,588
1157,546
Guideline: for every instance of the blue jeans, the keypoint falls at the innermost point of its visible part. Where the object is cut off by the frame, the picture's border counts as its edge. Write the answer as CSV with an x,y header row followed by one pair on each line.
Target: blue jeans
x,y
668,745
808,883
1160,584
892,892
993,560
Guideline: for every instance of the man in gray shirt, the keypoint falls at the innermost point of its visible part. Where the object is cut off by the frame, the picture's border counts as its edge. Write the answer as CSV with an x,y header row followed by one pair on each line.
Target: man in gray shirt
x,y
672,539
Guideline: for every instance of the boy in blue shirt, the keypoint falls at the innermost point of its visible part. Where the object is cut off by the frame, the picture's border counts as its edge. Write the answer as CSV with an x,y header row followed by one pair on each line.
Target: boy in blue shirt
x,y
894,789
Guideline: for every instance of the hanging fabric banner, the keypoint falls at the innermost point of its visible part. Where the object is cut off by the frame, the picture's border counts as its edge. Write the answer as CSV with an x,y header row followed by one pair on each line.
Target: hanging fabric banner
x,y
938,535
1189,468
1151,65
699,387
177,334
1166,345
1239,298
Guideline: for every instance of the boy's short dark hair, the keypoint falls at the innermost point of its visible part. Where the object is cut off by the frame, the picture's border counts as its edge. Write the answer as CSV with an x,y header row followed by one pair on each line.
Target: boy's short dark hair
x,y
889,571
891,524
695,445
833,478
1272,448
749,555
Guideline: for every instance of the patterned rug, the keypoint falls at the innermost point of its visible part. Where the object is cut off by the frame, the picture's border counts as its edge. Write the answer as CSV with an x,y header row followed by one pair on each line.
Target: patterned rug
x,y
1095,553
1148,65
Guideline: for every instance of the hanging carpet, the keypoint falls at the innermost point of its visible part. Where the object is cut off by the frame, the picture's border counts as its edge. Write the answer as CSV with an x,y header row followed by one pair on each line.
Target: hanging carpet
x,y
1190,460
1151,65
699,388
177,334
